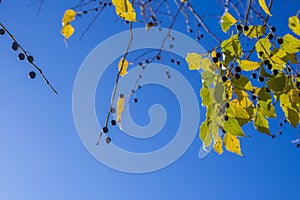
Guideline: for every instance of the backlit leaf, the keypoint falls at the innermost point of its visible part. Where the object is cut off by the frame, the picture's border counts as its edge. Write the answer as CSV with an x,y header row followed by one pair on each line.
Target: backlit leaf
x,y
248,65
123,65
125,10
120,107
218,146
232,126
232,144
232,47
263,45
261,123
294,24
227,21
290,44
205,136
67,31
264,6
255,31
243,83
68,16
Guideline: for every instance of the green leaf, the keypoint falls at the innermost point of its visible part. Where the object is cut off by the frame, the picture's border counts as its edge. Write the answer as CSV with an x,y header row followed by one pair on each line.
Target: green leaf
x,y
205,136
263,45
264,6
248,65
294,24
232,126
261,123
243,83
232,47
277,84
219,94
290,44
227,21
255,31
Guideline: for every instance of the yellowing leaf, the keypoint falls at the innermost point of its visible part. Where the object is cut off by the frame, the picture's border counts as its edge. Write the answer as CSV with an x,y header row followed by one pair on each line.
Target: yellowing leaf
x,y
218,146
294,25
227,21
232,126
205,95
290,44
248,65
232,48
122,66
125,10
120,107
264,6
68,16
255,31
232,144
67,31
263,45
261,123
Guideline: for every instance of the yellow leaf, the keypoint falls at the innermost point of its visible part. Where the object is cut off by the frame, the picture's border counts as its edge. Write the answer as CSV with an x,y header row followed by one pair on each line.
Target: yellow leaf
x,y
294,24
264,6
196,61
68,16
248,65
120,107
218,146
122,66
255,31
232,144
125,10
205,135
67,31
263,45
227,21
290,44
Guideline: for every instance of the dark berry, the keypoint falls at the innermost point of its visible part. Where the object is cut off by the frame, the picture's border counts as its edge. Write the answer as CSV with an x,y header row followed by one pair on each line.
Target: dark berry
x,y
121,96
285,121
219,55
297,145
254,97
261,79
2,31
177,63
226,118
227,105
269,66
275,72
280,40
135,100
266,62
261,53
270,36
273,29
237,76
30,59
239,27
172,60
224,78
215,59
246,28
21,56
238,69
268,90
253,75
105,129
108,140
281,124
113,122
158,57
15,46
223,131
32,74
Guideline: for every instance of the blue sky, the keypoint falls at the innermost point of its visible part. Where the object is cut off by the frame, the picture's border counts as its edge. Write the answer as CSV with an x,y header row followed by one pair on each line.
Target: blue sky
x,y
42,156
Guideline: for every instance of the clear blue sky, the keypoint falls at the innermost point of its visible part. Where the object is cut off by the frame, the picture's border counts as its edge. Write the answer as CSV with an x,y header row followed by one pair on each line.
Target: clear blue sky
x,y
42,156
